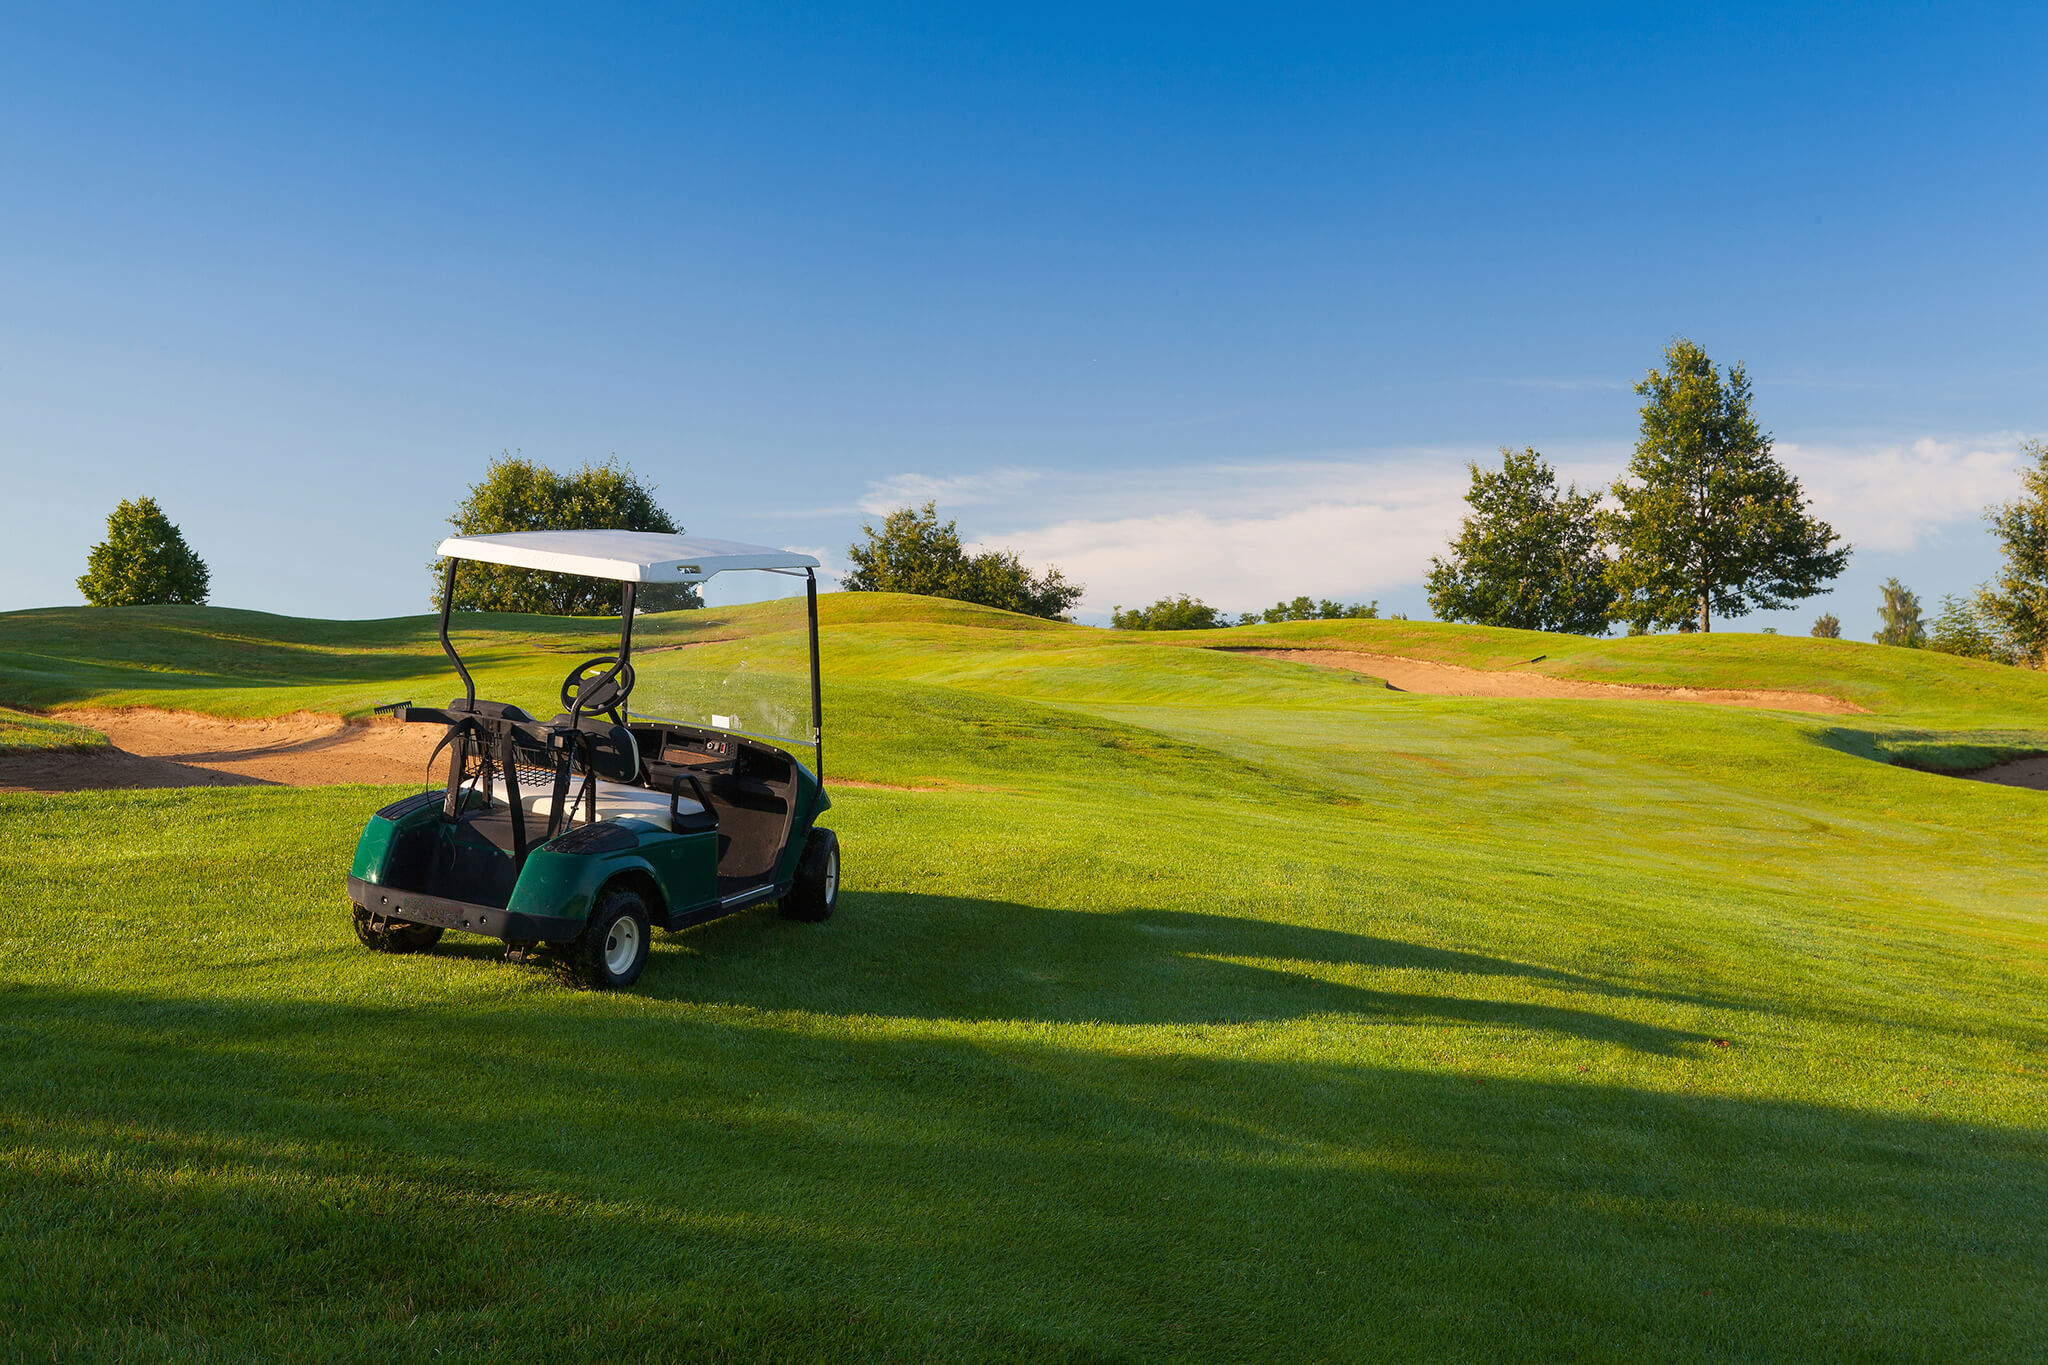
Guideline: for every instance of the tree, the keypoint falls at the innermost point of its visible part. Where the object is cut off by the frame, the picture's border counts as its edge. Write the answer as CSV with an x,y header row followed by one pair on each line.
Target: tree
x,y
1964,627
1827,626
1713,525
1901,616
1527,556
2016,600
143,562
516,494
914,552
1168,613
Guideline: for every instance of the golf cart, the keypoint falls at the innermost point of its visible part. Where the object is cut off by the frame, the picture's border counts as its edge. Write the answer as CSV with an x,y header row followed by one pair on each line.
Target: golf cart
x,y
583,831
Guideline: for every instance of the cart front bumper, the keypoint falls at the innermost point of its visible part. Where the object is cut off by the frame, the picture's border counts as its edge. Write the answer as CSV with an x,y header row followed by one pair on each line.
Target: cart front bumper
x,y
416,907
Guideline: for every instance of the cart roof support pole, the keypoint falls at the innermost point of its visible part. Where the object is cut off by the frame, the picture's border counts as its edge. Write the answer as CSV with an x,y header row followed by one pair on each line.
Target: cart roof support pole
x,y
626,639
447,606
817,693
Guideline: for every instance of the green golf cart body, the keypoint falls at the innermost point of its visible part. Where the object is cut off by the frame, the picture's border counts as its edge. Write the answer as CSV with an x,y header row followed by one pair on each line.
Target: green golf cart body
x,y
583,832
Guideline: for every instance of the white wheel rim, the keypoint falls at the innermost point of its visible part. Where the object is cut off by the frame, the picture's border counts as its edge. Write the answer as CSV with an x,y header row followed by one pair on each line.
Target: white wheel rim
x,y
832,877
621,945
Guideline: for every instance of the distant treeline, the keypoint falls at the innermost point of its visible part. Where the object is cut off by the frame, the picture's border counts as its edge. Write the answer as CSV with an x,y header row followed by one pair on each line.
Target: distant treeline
x,y
1192,613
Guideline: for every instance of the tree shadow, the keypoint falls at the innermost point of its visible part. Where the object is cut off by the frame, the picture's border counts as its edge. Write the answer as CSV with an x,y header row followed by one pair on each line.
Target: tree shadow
x,y
949,957
240,1171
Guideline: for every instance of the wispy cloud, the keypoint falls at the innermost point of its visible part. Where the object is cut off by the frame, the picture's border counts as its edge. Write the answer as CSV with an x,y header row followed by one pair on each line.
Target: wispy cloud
x,y
1353,526
963,490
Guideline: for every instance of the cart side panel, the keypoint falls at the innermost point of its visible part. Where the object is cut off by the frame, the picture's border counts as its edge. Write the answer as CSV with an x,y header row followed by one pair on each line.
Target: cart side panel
x,y
685,867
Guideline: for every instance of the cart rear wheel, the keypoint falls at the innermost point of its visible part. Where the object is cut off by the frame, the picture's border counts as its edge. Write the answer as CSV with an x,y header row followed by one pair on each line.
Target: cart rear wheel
x,y
816,890
394,936
611,952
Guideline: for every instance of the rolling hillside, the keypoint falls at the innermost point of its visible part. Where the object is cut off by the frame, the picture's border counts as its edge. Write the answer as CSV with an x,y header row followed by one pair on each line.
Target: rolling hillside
x,y
1182,1005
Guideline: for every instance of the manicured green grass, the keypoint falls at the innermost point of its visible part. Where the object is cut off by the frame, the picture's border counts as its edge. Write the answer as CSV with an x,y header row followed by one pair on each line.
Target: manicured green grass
x,y
1211,1009
21,731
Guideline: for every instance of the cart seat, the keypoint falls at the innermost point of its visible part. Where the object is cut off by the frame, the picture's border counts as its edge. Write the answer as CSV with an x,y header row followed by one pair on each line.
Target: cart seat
x,y
615,801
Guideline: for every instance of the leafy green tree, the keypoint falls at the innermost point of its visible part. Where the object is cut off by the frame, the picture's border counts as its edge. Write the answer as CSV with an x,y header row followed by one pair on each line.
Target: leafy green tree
x,y
1827,626
1901,616
517,494
143,562
1527,556
1964,627
2015,602
1168,613
1712,525
914,552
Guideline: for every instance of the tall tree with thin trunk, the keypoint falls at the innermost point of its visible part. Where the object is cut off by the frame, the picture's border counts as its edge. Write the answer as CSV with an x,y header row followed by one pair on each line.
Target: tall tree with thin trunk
x,y
1901,616
2015,603
1709,523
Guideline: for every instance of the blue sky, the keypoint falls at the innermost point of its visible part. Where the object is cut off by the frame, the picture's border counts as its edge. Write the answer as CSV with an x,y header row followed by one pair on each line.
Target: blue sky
x,y
1203,299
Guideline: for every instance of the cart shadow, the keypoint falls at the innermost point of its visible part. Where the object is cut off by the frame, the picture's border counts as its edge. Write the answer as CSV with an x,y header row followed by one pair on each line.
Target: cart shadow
x,y
957,958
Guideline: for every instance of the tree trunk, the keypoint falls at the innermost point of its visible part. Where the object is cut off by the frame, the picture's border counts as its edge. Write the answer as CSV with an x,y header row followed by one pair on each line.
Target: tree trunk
x,y
1706,621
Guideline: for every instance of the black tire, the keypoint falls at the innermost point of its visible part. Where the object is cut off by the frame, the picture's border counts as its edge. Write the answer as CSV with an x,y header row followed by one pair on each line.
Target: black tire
x,y
816,890
395,936
611,952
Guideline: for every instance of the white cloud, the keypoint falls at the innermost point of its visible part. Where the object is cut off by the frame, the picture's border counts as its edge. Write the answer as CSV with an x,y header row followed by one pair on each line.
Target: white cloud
x,y
1240,535
1244,535
1885,497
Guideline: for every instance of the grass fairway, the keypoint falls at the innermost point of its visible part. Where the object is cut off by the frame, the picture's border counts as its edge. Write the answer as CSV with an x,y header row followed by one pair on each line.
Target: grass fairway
x,y
1195,1007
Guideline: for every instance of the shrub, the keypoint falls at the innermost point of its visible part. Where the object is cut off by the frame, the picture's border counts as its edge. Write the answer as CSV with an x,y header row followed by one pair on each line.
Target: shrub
x,y
1827,627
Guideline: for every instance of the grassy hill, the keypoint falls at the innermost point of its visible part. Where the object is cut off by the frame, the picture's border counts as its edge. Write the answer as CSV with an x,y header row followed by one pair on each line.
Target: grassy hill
x,y
1196,1006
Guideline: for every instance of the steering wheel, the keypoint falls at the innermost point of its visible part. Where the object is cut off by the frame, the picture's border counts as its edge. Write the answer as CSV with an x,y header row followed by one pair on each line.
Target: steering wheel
x,y
583,684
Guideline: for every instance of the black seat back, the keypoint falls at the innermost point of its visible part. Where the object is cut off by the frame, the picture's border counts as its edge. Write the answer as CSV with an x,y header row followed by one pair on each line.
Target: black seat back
x,y
610,750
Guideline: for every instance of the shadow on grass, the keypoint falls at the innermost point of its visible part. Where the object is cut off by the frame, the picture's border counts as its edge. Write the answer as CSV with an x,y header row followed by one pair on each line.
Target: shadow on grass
x,y
949,957
1946,752
586,1177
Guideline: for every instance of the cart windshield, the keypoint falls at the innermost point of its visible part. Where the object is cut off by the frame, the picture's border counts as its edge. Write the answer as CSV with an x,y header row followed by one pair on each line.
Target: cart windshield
x,y
762,683
757,685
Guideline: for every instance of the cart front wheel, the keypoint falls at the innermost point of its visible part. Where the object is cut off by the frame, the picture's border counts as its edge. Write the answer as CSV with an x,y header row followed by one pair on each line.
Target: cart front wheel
x,y
816,890
611,952
394,936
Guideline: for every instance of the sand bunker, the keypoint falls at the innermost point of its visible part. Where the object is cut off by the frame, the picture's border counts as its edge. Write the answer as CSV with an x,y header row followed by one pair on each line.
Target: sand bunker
x,y
2031,773
1450,680
179,749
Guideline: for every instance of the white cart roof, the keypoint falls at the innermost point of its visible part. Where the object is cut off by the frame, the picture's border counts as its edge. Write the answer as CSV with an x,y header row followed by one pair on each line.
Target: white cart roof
x,y
629,556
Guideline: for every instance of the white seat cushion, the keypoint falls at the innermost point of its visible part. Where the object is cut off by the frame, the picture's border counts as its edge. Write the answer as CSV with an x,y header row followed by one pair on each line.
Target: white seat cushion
x,y
615,801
